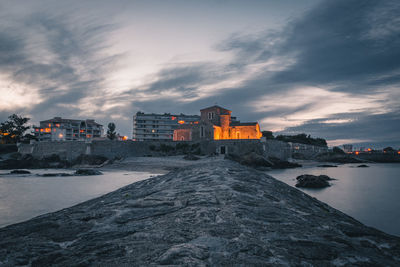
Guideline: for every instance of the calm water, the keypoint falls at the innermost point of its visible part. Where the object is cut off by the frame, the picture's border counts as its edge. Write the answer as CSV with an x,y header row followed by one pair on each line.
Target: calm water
x,y
370,195
25,196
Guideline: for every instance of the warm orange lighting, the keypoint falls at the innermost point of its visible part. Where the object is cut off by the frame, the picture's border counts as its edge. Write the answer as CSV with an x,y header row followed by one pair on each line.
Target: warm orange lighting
x,y
41,130
57,125
60,135
369,149
125,138
82,131
196,122
181,122
173,118
49,125
88,136
47,130
5,134
357,152
398,152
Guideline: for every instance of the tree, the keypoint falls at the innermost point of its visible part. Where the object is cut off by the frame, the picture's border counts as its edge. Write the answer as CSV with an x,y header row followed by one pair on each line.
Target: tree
x,y
13,129
111,134
268,134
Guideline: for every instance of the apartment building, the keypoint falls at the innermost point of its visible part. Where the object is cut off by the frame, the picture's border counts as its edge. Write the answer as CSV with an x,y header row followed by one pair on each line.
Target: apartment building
x,y
59,129
156,127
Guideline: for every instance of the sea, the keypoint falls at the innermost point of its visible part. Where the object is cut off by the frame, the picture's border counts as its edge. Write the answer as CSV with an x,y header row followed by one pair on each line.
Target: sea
x,y
25,196
371,195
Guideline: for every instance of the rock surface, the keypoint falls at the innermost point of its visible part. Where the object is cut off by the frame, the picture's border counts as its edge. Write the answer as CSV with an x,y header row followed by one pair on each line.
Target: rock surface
x,y
214,214
313,181
20,172
87,172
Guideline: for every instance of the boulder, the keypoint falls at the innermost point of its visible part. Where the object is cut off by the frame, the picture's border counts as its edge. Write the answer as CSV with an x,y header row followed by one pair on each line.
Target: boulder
x,y
89,160
313,181
362,166
191,157
57,174
84,172
251,159
20,172
282,164
327,166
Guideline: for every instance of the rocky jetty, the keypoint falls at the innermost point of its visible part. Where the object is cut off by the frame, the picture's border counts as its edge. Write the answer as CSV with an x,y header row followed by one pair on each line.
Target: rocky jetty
x,y
214,214
313,181
255,160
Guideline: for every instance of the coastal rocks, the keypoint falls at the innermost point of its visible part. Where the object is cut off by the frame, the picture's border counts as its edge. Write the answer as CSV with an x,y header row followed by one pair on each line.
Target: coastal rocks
x,y
327,166
313,181
255,160
212,214
282,164
20,172
87,172
89,160
57,174
337,158
251,159
362,166
191,157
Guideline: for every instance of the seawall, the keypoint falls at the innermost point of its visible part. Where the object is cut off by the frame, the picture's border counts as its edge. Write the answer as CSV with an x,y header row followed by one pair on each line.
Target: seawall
x,y
70,150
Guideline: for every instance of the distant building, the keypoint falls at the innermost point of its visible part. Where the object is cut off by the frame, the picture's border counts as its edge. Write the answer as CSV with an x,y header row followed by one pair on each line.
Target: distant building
x,y
348,148
156,127
59,129
217,124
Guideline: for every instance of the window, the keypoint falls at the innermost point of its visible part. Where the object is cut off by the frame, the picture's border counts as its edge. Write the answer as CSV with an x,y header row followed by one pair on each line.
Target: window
x,y
210,115
182,138
202,131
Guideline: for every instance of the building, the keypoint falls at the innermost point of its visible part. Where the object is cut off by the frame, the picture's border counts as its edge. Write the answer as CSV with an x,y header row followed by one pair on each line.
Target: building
x,y
59,129
159,127
217,124
348,148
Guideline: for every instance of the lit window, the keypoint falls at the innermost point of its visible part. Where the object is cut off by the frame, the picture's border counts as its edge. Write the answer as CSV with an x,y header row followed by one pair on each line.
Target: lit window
x,y
181,122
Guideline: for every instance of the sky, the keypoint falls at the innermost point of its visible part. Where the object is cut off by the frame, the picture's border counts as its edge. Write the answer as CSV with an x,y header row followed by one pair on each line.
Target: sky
x,y
330,69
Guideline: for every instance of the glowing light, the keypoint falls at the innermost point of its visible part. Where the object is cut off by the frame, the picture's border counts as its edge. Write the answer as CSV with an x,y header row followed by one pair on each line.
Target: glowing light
x,y
196,122
357,152
36,130
47,130
60,135
181,122
369,149
398,152
173,118
49,125
41,130
125,138
88,136
57,125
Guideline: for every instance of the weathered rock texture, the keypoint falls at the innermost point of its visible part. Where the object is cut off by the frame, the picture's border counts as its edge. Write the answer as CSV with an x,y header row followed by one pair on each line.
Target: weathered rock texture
x,y
220,214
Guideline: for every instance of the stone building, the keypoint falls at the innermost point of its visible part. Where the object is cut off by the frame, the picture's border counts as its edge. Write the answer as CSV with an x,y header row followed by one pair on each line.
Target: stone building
x,y
216,123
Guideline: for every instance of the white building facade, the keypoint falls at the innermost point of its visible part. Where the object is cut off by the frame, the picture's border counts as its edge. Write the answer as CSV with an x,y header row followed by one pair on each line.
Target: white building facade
x,y
159,127
59,129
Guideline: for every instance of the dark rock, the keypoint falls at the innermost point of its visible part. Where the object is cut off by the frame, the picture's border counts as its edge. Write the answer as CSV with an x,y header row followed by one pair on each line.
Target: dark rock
x,y
327,166
8,148
20,172
362,166
89,160
282,164
313,181
191,157
250,159
337,158
57,174
87,172
212,214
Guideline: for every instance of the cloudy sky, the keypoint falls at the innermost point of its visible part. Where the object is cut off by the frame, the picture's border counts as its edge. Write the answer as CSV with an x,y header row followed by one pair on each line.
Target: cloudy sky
x,y
327,68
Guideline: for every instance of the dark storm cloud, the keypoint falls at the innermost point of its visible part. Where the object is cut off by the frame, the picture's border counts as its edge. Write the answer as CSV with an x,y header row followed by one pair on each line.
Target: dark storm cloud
x,y
375,128
71,68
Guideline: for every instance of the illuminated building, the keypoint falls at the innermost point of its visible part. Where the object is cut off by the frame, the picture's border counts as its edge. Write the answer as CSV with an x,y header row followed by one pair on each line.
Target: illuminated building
x,y
159,127
217,124
59,129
